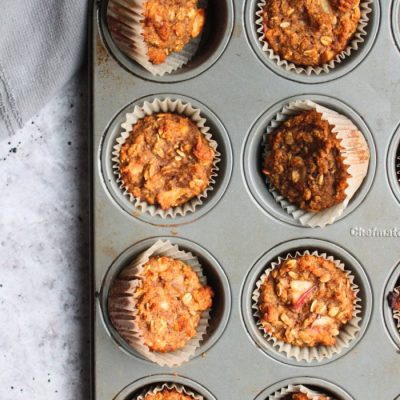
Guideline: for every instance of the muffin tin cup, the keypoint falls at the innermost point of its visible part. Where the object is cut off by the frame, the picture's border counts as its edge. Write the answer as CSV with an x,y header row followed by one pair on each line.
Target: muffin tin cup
x,y
355,43
311,385
308,354
393,163
129,280
251,322
210,268
291,389
150,108
254,151
395,13
136,390
125,21
204,51
354,151
171,386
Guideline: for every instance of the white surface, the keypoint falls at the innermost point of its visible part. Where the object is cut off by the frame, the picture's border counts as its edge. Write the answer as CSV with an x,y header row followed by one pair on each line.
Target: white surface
x,y
44,337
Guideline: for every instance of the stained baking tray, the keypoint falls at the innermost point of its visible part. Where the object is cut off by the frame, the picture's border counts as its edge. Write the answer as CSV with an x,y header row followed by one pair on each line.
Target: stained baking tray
x,y
239,229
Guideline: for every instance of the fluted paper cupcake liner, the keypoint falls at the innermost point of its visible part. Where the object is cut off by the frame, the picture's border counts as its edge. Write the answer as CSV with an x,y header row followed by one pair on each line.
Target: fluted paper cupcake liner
x,y
171,386
122,305
347,332
173,106
125,23
291,389
354,150
357,40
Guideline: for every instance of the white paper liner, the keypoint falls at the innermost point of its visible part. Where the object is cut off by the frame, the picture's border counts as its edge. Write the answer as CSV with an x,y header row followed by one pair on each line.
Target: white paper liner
x,y
358,39
124,310
396,314
355,153
347,332
291,389
173,106
125,26
171,386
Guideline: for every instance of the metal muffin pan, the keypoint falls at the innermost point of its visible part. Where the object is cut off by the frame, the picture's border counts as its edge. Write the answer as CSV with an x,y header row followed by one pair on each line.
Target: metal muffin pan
x,y
232,231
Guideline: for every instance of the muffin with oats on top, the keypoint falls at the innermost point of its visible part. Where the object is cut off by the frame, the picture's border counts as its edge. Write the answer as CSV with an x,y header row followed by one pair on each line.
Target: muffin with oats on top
x,y
305,301
303,162
310,33
166,160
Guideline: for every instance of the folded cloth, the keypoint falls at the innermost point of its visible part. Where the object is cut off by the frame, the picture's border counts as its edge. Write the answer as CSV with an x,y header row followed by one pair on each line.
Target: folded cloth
x,y
42,44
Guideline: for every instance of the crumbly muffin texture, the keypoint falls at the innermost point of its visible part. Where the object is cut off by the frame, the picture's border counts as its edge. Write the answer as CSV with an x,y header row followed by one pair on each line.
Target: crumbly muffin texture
x,y
166,160
170,303
169,25
304,163
167,394
310,32
305,301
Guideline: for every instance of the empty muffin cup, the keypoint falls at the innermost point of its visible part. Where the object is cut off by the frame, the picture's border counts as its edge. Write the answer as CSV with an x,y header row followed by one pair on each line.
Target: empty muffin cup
x,y
125,20
154,107
354,152
355,42
124,296
345,335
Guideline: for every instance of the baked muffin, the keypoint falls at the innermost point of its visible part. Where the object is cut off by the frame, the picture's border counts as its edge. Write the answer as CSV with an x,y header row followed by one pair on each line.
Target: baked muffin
x,y
169,304
303,396
310,32
167,394
305,301
394,300
169,25
166,160
304,162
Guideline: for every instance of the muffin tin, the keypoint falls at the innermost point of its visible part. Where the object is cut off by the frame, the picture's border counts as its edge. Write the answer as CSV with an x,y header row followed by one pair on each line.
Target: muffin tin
x,y
239,228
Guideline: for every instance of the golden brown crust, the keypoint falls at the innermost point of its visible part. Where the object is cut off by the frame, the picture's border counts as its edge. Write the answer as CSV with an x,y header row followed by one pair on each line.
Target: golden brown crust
x,y
166,160
304,163
169,304
303,396
167,394
169,25
305,301
310,32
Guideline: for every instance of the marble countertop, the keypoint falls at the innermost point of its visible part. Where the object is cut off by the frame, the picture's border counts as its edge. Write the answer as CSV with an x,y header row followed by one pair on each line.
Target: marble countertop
x,y
44,225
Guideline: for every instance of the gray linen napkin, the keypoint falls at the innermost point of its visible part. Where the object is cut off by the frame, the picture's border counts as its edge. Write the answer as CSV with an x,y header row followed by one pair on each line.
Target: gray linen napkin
x,y
42,44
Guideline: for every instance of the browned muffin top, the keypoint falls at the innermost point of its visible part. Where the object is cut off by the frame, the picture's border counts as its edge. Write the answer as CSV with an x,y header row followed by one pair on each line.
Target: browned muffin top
x,y
169,304
167,394
305,301
303,396
310,32
169,25
166,160
304,163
